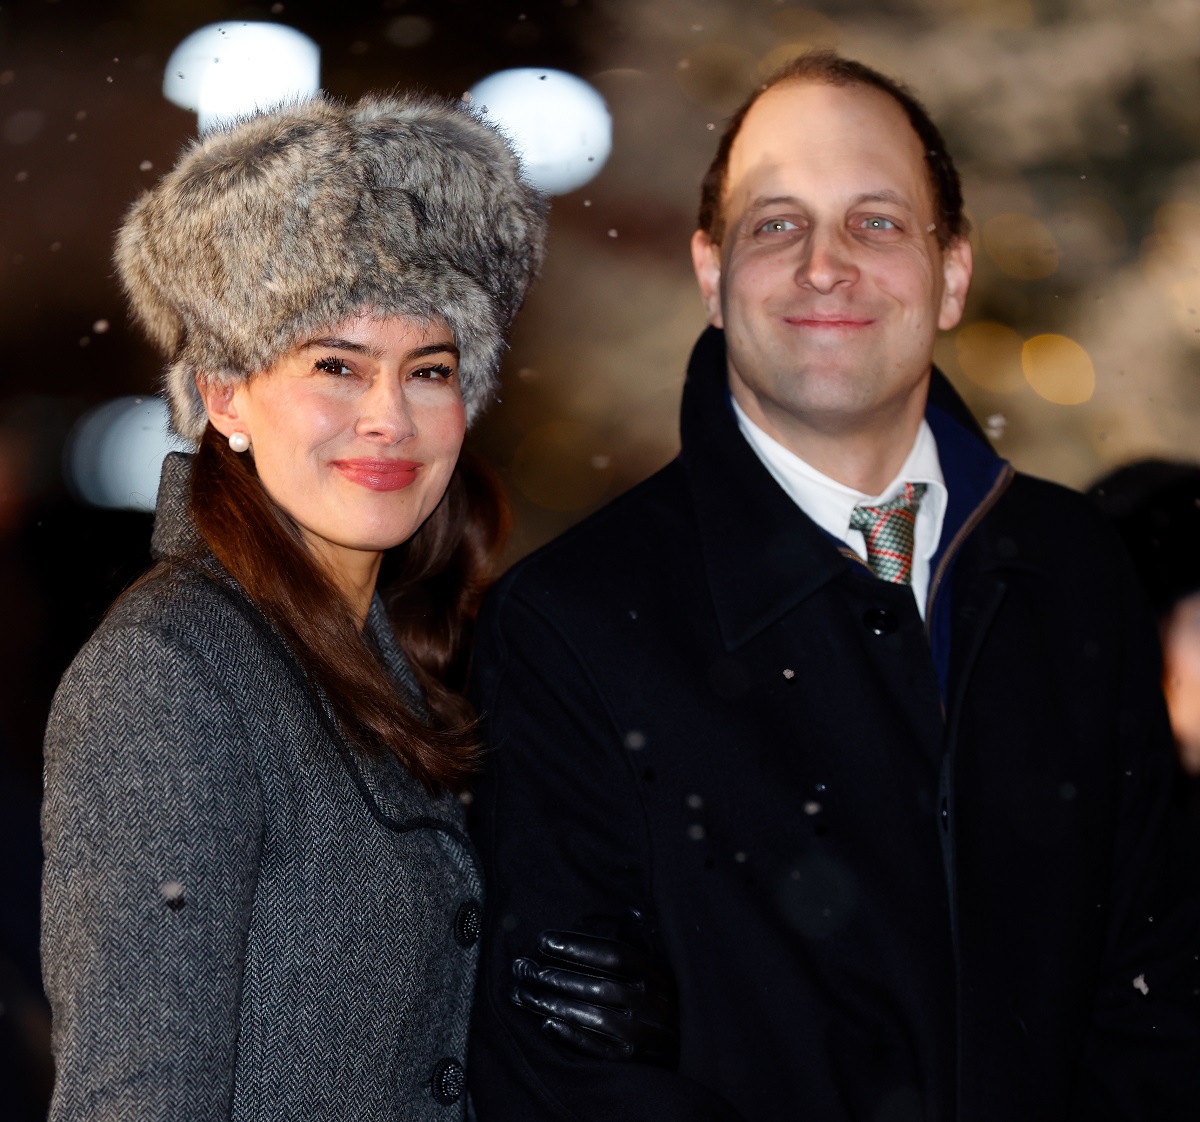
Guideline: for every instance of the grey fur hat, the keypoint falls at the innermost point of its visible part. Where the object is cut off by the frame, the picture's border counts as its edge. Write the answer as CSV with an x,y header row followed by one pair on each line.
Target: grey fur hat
x,y
278,227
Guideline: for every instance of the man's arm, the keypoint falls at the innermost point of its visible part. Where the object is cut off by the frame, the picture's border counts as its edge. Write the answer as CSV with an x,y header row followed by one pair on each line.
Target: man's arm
x,y
560,826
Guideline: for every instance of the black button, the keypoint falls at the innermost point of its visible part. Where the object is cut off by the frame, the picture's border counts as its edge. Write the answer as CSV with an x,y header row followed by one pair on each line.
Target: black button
x,y
945,816
467,924
880,621
447,1082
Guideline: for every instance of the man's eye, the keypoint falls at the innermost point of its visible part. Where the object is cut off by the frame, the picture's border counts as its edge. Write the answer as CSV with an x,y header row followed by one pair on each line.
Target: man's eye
x,y
877,222
440,370
334,366
777,226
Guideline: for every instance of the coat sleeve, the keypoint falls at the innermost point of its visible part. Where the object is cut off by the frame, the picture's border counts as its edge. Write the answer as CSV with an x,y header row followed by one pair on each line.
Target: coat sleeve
x,y
151,825
1141,1061
559,825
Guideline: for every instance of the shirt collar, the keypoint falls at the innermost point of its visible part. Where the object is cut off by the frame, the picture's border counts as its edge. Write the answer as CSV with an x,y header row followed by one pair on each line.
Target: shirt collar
x,y
829,503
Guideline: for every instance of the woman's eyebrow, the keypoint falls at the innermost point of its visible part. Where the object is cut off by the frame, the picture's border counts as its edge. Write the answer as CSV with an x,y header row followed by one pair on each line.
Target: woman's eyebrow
x,y
446,346
332,343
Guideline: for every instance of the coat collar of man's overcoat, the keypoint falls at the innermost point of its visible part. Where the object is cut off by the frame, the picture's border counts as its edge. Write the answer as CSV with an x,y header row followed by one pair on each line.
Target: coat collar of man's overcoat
x,y
743,514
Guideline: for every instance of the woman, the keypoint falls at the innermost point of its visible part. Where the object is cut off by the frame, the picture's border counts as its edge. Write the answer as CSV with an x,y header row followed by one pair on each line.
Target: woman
x,y
258,897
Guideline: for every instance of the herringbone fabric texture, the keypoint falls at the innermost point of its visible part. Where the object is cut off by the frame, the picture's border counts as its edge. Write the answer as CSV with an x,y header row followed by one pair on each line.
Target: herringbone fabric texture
x,y
241,920
888,530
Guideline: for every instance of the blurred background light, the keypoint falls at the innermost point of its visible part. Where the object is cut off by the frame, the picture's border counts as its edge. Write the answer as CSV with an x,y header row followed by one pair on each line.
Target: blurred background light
x,y
115,452
1059,369
990,355
559,124
230,70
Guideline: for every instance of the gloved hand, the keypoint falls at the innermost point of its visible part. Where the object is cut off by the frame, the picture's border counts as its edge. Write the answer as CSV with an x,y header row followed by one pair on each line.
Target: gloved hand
x,y
606,999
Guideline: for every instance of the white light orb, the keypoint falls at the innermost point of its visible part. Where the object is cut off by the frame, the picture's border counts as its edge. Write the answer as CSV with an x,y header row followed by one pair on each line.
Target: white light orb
x,y
559,124
115,452
231,70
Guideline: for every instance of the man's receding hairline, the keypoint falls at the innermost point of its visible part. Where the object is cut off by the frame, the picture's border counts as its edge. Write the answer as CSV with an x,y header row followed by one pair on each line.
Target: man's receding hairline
x,y
841,82
828,68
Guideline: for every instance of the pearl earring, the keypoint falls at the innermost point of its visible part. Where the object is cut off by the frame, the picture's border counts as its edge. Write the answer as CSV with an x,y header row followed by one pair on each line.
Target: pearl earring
x,y
239,441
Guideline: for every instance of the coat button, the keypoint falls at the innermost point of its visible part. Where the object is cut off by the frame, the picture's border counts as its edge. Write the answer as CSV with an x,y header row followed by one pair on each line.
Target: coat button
x,y
468,923
879,621
447,1082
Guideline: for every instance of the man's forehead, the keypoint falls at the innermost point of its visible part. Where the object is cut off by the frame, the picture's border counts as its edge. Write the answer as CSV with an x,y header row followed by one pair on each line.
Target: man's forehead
x,y
802,118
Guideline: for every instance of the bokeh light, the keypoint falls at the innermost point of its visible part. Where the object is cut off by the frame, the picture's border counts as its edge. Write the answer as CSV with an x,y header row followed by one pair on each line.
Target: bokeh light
x,y
558,123
114,454
1058,369
990,355
230,70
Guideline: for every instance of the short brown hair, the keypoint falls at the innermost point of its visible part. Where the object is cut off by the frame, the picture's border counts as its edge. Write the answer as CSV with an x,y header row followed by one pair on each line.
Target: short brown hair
x,y
832,69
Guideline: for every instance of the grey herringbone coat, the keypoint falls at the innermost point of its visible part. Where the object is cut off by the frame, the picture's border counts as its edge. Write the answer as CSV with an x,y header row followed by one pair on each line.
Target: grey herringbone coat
x,y
241,918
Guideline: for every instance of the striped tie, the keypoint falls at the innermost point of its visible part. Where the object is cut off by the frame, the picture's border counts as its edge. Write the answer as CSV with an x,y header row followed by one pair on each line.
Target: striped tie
x,y
888,530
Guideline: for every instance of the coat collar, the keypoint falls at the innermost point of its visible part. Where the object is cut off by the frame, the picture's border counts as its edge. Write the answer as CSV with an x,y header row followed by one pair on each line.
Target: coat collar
x,y
176,538
762,554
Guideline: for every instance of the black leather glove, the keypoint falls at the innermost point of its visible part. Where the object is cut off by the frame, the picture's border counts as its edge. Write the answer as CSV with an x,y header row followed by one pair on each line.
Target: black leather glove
x,y
603,998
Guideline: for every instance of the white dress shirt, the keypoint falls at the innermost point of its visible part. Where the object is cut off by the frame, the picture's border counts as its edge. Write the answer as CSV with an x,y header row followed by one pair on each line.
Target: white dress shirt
x,y
829,503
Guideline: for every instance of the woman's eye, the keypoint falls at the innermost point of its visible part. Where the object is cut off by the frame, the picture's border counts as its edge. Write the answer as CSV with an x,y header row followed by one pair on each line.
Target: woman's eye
x,y
334,366
433,373
777,226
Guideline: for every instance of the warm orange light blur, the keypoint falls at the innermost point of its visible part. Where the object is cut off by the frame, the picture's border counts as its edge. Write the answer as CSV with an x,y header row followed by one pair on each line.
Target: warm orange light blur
x,y
1059,369
990,355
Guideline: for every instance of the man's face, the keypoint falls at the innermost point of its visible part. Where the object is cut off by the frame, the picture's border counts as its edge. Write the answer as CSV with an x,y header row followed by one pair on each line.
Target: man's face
x,y
830,283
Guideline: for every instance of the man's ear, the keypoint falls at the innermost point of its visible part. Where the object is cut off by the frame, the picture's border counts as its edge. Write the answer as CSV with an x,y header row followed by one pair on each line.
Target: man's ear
x,y
706,260
220,403
957,263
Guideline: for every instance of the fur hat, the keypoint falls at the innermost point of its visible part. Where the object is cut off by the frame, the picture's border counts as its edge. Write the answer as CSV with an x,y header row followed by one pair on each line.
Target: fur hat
x,y
278,227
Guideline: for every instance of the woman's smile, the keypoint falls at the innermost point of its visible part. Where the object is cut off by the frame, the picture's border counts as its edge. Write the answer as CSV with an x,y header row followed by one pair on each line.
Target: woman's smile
x,y
378,475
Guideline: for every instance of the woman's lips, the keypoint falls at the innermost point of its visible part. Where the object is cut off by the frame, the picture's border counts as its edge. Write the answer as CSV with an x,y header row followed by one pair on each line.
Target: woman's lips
x,y
379,475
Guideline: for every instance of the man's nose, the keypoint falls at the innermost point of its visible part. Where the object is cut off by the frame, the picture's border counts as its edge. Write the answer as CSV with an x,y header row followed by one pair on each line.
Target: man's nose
x,y
384,413
828,261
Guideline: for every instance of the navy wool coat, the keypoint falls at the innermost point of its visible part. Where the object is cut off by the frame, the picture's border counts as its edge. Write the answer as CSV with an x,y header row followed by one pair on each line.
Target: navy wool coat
x,y
901,871
242,919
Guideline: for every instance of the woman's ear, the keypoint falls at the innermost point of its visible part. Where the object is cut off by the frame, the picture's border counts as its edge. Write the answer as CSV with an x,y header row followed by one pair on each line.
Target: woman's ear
x,y
220,403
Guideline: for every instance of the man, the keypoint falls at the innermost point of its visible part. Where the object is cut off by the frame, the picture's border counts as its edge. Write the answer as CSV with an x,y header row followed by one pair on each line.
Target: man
x,y
862,724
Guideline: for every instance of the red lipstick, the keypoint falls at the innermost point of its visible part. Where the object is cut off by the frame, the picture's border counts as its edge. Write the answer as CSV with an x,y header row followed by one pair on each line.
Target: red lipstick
x,y
379,475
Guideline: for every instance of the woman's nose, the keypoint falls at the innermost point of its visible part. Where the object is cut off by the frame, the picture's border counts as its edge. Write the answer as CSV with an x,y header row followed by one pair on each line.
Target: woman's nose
x,y
385,415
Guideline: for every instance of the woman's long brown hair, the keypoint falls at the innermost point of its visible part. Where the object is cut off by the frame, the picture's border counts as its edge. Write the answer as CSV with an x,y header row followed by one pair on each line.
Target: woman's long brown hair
x,y
432,586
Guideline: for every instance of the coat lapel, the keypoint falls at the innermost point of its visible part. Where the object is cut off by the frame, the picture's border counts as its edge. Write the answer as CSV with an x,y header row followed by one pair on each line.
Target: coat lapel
x,y
742,512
